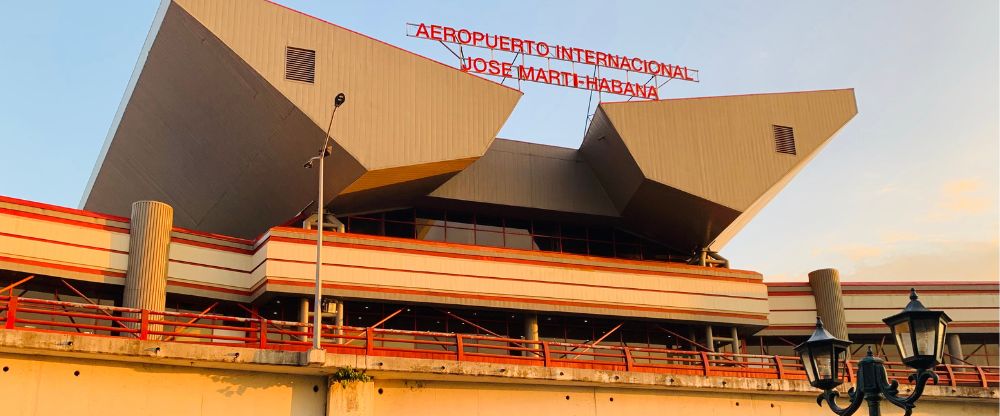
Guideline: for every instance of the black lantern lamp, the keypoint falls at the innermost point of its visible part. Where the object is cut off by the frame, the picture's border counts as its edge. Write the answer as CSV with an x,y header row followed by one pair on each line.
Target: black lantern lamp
x,y
822,356
919,334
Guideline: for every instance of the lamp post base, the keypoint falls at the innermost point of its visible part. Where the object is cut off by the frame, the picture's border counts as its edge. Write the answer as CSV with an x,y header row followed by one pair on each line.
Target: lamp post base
x,y
315,357
873,386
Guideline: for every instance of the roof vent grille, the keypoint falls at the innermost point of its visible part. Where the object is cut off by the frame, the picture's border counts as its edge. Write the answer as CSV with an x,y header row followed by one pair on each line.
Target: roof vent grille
x,y
784,140
300,64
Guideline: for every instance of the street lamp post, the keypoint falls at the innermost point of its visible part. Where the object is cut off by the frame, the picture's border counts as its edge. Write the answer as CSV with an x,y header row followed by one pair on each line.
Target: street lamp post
x,y
919,334
318,288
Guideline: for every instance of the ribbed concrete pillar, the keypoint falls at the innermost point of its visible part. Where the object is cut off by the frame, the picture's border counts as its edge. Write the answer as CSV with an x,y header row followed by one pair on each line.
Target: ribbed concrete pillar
x,y
148,247
826,291
955,349
531,330
709,338
339,320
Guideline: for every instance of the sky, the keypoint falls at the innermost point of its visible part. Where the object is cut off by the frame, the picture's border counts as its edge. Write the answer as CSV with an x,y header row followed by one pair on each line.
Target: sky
x,y
907,191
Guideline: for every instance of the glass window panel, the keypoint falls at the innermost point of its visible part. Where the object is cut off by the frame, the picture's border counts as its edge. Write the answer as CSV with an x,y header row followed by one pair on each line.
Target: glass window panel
x,y
628,251
655,252
460,236
460,219
600,234
824,369
404,215
807,363
547,244
574,246
546,228
624,237
574,231
841,354
430,233
903,339
517,226
488,223
432,217
399,229
603,249
940,335
925,330
364,226
521,241
489,238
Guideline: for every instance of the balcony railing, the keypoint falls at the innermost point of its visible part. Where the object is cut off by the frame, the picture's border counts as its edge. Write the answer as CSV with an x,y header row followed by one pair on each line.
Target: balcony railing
x,y
18,313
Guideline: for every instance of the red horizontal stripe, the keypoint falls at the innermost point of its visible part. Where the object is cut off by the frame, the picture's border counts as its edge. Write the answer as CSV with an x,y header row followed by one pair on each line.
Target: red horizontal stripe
x,y
208,287
517,261
51,218
211,245
65,210
78,269
514,279
491,251
43,240
420,292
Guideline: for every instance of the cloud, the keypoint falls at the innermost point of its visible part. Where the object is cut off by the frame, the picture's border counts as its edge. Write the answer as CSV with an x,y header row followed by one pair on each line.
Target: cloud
x,y
960,197
930,261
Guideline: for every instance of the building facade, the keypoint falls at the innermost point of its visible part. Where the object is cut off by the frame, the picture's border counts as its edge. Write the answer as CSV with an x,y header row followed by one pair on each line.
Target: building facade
x,y
468,274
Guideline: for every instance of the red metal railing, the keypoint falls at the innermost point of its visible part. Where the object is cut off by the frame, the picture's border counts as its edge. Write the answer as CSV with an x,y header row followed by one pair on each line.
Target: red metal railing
x,y
96,320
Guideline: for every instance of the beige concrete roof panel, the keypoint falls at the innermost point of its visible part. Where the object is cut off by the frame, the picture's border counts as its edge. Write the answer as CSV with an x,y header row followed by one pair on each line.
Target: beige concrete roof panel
x,y
722,148
514,173
401,107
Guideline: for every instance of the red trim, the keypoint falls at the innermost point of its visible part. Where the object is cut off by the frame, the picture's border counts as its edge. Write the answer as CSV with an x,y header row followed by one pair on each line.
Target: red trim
x,y
908,285
179,240
514,279
213,236
78,269
66,210
888,309
512,299
191,263
922,292
208,287
892,292
62,243
728,96
492,250
391,45
810,328
51,218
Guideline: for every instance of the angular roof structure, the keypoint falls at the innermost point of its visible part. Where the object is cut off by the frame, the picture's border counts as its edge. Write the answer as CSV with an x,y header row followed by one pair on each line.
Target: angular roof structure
x,y
212,125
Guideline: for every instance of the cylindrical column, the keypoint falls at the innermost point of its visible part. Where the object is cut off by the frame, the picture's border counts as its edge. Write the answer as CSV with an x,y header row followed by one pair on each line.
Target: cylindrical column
x,y
735,335
339,320
304,317
825,285
148,248
531,331
955,349
709,338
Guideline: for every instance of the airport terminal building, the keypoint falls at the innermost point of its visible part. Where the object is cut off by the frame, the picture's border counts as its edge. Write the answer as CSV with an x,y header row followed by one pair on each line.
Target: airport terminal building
x,y
466,273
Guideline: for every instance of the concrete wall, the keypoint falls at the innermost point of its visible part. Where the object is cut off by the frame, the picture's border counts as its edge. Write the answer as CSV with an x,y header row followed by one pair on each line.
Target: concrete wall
x,y
443,398
38,385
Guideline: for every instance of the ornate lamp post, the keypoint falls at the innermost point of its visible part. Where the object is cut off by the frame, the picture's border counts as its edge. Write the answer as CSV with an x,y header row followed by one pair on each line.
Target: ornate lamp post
x,y
919,334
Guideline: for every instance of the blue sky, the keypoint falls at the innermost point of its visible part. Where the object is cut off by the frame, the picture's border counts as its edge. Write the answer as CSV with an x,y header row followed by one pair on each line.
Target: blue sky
x,y
907,191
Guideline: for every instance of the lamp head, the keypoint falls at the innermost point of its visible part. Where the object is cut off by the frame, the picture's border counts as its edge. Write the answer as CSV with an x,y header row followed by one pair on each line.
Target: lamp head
x,y
919,334
823,356
339,100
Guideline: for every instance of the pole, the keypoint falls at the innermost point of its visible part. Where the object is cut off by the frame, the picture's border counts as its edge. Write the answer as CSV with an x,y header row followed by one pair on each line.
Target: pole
x,y
317,296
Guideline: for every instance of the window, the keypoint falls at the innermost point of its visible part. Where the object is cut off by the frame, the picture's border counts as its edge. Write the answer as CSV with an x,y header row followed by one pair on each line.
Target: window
x,y
495,231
